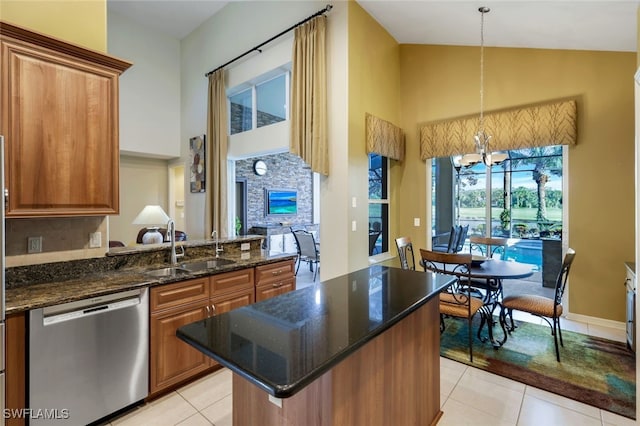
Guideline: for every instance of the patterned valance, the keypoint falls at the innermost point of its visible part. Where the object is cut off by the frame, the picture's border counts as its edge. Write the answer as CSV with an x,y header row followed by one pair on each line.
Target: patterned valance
x,y
384,138
522,127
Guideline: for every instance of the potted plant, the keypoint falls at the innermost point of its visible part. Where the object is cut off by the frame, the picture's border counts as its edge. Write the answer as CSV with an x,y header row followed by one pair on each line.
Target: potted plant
x,y
238,226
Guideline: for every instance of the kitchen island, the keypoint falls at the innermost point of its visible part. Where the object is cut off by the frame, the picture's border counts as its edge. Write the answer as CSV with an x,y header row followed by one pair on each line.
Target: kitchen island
x,y
359,349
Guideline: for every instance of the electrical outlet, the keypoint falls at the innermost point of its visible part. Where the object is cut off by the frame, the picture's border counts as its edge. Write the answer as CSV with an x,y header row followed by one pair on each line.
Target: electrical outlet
x,y
34,245
245,246
95,240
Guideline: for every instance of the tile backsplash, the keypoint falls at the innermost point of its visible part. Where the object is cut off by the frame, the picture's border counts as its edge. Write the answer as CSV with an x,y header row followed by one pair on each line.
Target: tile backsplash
x,y
62,239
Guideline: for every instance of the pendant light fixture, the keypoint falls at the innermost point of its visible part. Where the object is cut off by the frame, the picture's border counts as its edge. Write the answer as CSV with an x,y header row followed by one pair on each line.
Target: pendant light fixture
x,y
481,138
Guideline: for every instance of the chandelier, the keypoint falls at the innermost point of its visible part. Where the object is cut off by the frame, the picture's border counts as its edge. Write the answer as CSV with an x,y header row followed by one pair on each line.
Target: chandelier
x,y
481,138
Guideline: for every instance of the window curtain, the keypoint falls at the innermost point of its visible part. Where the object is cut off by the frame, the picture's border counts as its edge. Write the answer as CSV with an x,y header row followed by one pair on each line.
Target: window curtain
x,y
308,137
523,127
384,138
216,216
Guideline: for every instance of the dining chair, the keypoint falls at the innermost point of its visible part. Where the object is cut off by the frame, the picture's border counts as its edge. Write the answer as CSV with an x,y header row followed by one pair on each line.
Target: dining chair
x,y
456,300
489,247
405,253
546,308
307,251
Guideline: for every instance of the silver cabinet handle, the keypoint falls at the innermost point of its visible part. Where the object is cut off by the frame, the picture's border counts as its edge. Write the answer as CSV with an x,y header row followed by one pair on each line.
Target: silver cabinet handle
x,y
208,311
213,308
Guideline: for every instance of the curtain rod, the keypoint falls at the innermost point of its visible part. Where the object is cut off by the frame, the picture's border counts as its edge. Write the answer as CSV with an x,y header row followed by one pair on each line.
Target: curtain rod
x,y
321,12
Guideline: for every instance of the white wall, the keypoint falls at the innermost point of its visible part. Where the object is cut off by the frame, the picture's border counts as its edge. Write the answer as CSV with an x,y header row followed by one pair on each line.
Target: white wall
x,y
237,28
142,181
149,90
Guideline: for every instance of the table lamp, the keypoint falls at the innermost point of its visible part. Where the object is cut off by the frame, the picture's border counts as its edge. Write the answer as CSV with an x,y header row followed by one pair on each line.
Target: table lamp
x,y
152,217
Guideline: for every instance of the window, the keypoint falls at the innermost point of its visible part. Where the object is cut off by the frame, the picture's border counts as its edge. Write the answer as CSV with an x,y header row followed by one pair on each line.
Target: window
x,y
268,96
241,111
271,101
378,205
519,198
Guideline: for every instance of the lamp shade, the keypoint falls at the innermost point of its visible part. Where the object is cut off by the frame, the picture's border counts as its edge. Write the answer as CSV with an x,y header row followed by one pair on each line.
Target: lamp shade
x,y
151,216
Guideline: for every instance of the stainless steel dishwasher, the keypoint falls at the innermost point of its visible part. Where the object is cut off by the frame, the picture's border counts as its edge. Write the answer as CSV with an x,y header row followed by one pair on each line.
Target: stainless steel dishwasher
x,y
88,359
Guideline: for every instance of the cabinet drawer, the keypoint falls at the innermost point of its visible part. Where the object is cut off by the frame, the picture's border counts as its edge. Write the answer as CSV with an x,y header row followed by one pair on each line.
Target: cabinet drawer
x,y
181,293
274,272
267,291
232,281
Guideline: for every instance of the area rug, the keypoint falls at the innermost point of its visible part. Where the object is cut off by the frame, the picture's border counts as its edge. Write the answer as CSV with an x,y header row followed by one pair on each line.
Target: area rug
x,y
595,371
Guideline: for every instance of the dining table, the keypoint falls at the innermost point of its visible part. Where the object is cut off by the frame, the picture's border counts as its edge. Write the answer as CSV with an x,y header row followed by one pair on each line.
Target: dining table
x,y
494,271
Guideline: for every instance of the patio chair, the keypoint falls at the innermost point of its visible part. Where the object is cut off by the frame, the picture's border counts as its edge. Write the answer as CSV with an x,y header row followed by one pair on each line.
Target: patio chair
x,y
451,237
307,251
405,252
546,308
456,301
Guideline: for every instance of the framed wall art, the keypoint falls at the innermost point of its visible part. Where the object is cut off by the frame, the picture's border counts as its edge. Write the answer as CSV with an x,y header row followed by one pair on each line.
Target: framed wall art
x,y
197,163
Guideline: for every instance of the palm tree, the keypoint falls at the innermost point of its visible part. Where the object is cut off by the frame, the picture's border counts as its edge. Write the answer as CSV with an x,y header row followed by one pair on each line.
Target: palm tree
x,y
546,161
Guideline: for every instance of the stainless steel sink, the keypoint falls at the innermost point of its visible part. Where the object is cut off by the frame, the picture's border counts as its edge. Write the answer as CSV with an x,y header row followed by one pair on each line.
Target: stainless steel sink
x,y
168,272
206,264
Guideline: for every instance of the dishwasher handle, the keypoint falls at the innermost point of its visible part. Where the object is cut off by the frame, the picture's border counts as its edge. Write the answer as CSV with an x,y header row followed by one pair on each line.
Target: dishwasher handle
x,y
89,311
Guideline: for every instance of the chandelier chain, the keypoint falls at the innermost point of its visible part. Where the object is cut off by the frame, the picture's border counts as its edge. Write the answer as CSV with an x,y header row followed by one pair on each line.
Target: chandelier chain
x,y
481,129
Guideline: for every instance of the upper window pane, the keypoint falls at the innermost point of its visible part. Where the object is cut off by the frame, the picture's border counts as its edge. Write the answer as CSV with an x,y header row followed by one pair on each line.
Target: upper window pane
x,y
240,111
377,177
271,101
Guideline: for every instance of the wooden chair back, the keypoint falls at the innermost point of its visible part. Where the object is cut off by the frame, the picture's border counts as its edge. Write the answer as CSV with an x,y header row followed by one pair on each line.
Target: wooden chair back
x,y
489,246
563,275
405,252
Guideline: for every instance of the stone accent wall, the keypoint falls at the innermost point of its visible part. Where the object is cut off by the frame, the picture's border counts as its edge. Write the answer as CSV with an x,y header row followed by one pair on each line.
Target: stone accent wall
x,y
284,170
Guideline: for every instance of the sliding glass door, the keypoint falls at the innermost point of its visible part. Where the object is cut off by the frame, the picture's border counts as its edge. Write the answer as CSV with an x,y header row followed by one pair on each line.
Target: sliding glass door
x,y
518,198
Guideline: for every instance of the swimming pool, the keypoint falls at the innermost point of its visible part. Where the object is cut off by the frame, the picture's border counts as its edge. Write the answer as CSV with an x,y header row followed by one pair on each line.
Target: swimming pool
x,y
524,251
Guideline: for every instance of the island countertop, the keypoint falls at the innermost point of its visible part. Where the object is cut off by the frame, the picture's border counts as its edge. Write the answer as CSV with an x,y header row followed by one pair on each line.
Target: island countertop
x,y
283,344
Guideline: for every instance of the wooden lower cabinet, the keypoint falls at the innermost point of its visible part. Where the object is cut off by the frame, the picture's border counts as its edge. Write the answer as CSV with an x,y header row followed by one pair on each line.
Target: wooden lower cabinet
x,y
171,360
227,302
15,365
275,279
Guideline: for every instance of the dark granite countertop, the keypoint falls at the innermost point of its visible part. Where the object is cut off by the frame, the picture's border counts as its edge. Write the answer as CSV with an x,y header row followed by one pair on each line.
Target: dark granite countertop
x,y
91,284
282,344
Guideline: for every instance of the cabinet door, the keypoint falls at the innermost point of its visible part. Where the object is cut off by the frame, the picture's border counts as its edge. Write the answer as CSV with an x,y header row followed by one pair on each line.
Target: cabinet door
x,y
230,301
268,291
171,359
227,302
60,123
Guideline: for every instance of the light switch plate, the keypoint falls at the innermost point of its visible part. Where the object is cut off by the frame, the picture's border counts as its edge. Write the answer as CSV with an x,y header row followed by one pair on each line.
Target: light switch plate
x,y
353,225
245,246
416,221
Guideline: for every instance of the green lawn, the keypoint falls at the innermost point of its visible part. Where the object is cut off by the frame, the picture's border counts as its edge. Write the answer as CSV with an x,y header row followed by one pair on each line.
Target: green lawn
x,y
520,214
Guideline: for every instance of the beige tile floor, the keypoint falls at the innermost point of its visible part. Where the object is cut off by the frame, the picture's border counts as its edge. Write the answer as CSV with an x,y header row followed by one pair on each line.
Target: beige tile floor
x,y
469,396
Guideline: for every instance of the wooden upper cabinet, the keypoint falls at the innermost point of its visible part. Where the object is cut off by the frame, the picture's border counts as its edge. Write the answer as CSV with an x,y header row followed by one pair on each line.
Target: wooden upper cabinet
x,y
60,123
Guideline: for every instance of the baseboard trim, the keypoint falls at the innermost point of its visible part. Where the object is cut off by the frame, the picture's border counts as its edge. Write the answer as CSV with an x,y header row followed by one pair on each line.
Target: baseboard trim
x,y
618,325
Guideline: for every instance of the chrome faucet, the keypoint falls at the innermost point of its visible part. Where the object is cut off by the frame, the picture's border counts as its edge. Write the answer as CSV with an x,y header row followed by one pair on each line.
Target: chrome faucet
x,y
219,250
171,230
